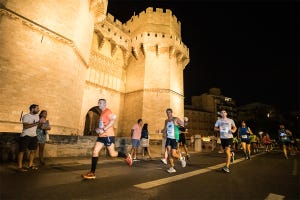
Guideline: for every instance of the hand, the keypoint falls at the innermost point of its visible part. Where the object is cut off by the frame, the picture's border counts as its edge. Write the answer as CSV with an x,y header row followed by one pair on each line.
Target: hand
x,y
100,131
43,120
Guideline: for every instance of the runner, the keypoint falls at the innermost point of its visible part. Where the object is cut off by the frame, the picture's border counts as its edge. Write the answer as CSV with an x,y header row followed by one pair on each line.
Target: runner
x,y
106,138
244,133
171,132
182,140
226,127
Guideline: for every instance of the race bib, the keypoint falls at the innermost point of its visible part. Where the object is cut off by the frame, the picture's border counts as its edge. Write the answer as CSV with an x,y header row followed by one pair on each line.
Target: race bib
x,y
224,129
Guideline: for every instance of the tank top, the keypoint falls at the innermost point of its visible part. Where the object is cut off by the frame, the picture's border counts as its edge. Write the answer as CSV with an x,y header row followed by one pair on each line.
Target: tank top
x,y
172,130
243,133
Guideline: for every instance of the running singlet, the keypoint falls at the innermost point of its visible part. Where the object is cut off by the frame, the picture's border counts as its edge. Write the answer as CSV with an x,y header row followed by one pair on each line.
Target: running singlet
x,y
244,135
177,132
172,130
252,138
104,120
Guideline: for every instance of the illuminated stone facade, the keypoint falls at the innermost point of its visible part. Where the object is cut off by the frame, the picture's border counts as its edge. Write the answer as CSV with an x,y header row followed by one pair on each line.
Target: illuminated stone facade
x,y
65,55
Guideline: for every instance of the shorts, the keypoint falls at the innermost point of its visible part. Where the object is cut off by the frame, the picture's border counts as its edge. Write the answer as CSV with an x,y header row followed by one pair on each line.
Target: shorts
x,y
135,143
246,141
226,142
182,138
171,142
107,141
27,142
285,140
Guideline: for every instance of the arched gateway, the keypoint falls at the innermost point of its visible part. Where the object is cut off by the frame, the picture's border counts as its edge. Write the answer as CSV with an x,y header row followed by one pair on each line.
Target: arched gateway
x,y
91,121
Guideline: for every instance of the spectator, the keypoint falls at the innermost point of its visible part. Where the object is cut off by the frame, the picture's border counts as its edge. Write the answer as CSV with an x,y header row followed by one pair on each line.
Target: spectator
x,y
42,134
28,137
145,141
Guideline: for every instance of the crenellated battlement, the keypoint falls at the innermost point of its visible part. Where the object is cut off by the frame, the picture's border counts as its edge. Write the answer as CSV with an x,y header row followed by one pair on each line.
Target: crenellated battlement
x,y
154,20
155,12
117,23
152,27
161,39
114,30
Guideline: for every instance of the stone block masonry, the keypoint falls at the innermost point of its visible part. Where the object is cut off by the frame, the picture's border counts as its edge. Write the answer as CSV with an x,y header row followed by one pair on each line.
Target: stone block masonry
x,y
58,146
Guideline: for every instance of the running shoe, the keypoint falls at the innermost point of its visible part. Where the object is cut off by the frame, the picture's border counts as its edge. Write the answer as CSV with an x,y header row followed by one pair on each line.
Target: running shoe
x,y
163,160
33,168
128,160
232,157
183,162
226,169
171,170
89,175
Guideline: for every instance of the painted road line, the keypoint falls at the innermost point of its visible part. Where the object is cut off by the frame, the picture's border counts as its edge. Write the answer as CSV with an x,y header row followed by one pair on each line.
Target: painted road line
x,y
155,183
272,196
295,168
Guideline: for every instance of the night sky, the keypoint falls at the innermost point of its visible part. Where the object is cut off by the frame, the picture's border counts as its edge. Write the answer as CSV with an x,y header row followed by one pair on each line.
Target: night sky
x,y
248,49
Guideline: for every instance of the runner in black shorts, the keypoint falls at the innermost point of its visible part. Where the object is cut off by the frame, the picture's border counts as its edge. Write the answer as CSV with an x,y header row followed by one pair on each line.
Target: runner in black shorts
x,y
182,141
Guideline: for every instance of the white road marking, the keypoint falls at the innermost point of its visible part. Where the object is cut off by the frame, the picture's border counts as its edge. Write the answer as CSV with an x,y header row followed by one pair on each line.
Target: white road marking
x,y
295,168
272,196
155,183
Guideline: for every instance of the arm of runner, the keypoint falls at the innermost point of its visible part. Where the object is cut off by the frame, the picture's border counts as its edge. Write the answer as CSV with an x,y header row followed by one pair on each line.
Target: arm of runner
x,y
233,128
164,130
249,131
110,123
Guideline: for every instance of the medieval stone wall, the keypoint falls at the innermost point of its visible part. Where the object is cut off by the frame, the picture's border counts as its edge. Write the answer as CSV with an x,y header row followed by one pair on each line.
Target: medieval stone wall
x,y
45,48
66,55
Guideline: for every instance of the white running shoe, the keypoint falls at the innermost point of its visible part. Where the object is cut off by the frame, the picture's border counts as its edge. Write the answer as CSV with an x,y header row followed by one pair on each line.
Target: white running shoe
x,y
163,160
171,170
183,162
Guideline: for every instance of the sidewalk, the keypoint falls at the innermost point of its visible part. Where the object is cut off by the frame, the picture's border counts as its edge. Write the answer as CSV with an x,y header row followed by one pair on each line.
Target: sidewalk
x,y
155,150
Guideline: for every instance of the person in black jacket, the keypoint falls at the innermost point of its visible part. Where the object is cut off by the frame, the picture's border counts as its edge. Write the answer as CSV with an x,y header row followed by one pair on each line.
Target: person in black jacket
x,y
145,141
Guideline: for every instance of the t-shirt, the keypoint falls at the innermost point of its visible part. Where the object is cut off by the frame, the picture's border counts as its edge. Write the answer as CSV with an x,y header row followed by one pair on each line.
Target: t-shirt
x,y
30,119
225,126
137,132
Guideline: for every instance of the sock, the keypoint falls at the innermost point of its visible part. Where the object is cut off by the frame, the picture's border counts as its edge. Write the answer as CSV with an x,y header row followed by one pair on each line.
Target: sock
x,y
94,164
121,155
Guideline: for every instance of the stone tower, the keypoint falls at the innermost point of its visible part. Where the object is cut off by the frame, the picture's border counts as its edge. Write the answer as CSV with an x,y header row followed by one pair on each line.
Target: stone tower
x,y
154,75
45,48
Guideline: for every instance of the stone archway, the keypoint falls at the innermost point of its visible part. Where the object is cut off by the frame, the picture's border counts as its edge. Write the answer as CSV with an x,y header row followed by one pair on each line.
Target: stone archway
x,y
91,121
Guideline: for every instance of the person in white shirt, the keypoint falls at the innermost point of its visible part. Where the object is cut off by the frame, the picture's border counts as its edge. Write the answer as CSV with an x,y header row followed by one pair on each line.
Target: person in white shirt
x,y
226,127
28,137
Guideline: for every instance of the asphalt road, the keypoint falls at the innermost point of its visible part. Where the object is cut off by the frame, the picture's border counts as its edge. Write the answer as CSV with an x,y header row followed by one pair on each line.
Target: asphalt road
x,y
265,176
